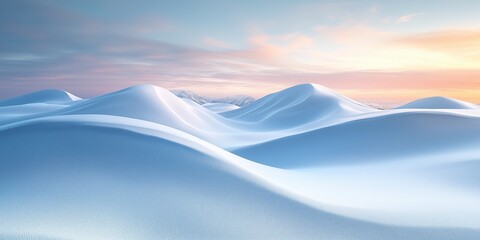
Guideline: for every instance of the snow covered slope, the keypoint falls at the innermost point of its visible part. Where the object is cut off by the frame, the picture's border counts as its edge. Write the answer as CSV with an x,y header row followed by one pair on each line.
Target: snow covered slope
x,y
51,96
35,104
439,103
303,163
386,137
284,117
297,105
151,103
97,177
154,104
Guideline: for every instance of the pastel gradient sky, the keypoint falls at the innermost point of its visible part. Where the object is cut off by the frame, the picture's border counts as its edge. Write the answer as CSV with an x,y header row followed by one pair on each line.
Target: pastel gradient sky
x,y
372,51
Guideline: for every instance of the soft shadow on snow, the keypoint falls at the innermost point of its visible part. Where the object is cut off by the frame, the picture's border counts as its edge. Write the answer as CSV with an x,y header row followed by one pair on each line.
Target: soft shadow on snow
x,y
141,163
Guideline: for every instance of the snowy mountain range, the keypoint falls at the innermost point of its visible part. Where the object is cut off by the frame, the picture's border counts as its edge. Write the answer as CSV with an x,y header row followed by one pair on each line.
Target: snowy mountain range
x,y
238,100
301,163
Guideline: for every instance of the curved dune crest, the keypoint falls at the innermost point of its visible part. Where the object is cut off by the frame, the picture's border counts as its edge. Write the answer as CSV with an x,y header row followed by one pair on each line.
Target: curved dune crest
x,y
154,104
161,184
52,96
439,103
383,138
297,105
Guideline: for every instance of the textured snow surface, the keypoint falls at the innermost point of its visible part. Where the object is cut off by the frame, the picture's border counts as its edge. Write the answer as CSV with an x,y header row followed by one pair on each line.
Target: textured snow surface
x,y
303,163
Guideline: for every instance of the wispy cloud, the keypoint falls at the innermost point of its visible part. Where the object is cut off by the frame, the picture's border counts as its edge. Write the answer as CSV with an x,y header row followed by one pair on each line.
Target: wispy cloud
x,y
352,32
462,44
408,17
216,43
49,46
371,86
454,39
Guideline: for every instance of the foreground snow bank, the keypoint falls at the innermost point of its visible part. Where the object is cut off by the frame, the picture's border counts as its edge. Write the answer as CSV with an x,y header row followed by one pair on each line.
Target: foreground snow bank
x,y
82,179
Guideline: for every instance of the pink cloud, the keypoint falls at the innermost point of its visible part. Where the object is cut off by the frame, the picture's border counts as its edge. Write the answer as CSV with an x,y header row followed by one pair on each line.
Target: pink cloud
x,y
408,17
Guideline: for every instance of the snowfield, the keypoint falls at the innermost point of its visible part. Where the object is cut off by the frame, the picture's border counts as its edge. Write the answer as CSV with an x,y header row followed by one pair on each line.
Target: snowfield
x,y
302,163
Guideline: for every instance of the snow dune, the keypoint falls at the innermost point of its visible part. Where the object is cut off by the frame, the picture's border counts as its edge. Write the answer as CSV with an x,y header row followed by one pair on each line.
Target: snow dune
x,y
297,105
111,178
151,103
155,104
439,103
388,137
303,163
35,104
51,96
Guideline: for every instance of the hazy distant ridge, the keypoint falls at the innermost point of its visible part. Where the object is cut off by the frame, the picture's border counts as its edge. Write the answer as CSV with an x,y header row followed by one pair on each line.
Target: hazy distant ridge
x,y
239,100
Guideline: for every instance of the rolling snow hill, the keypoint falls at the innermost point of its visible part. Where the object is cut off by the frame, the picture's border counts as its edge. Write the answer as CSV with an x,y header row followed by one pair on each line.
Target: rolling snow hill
x,y
296,106
49,96
387,137
439,103
302,163
117,177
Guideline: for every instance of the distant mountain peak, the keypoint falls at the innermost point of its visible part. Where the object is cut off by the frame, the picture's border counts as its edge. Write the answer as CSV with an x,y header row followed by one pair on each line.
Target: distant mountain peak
x,y
239,100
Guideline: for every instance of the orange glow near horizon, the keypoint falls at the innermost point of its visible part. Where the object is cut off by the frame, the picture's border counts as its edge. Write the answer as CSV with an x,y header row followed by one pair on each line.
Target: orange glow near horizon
x,y
401,96
369,53
370,87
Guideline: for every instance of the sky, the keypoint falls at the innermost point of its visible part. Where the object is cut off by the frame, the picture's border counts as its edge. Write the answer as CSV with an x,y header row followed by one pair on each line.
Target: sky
x,y
371,51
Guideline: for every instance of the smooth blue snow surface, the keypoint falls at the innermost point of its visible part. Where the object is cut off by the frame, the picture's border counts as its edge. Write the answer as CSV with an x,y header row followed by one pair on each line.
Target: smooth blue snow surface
x,y
391,137
303,163
51,96
439,103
